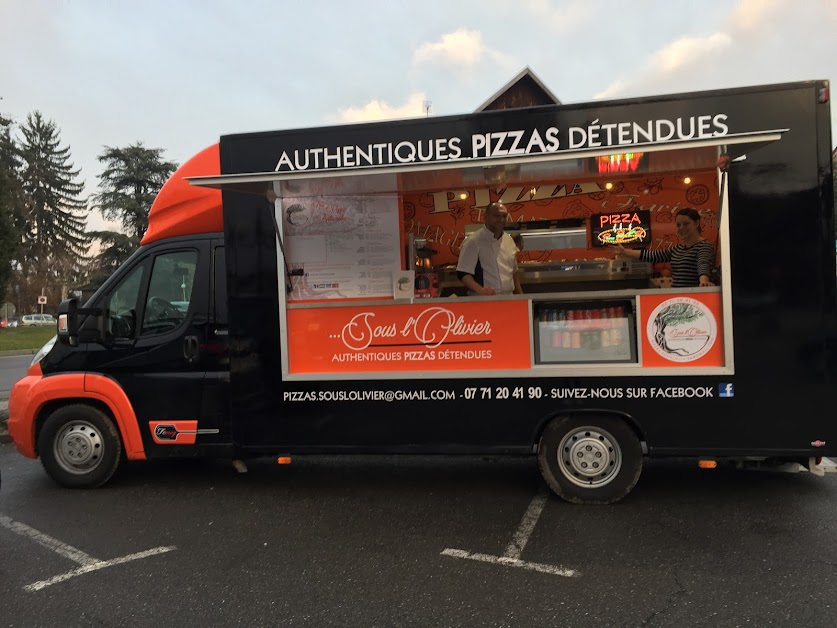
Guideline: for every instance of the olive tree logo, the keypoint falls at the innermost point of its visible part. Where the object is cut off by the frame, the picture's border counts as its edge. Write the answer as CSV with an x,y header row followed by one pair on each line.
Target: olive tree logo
x,y
297,215
681,329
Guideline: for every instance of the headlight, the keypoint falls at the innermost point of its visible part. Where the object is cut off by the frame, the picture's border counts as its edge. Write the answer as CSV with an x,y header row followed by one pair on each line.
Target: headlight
x,y
43,351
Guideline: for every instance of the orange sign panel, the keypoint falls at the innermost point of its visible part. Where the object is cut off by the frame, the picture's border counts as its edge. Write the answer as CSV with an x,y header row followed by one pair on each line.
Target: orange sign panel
x,y
682,329
415,337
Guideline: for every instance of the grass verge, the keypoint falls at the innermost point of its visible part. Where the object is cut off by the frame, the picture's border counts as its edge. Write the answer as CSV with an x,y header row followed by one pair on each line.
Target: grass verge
x,y
18,338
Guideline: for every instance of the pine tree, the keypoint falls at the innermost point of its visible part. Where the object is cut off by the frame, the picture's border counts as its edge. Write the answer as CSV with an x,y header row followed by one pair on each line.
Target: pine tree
x,y
52,216
9,194
114,248
129,183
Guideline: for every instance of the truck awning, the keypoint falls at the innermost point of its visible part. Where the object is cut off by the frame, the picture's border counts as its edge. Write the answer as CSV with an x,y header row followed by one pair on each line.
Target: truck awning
x,y
517,170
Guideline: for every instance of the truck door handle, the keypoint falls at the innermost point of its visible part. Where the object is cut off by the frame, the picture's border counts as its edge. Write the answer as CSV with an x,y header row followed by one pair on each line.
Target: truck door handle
x,y
190,349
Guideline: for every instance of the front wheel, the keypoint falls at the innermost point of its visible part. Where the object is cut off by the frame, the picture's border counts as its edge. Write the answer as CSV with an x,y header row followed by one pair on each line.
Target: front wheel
x,y
79,446
590,460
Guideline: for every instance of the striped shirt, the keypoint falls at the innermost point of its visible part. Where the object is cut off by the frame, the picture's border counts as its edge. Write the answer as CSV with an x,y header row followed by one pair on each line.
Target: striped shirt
x,y
687,263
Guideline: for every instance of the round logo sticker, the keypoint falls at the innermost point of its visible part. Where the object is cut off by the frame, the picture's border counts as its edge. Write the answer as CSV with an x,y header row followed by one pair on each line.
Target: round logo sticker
x,y
681,329
297,215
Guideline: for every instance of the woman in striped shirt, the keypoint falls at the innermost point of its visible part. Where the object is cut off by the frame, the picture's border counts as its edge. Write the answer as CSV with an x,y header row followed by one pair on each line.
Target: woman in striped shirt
x,y
691,262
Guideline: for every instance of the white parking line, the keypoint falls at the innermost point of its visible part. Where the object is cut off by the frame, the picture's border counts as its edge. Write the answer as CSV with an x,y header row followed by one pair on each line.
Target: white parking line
x,y
37,586
512,562
511,557
87,562
527,524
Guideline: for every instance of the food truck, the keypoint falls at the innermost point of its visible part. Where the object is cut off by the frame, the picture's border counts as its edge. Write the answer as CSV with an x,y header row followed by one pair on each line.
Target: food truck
x,y
296,293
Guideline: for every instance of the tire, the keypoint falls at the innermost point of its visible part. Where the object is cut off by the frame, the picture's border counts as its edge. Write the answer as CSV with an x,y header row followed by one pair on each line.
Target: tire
x,y
590,459
79,446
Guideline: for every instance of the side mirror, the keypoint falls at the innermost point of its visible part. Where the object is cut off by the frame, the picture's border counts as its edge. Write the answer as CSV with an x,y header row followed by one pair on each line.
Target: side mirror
x,y
68,322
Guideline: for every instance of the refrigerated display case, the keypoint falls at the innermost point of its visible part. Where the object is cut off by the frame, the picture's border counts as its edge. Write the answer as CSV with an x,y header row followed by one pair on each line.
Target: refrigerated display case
x,y
584,332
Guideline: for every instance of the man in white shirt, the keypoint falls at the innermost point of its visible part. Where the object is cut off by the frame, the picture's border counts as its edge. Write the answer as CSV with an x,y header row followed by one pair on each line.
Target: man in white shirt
x,y
488,258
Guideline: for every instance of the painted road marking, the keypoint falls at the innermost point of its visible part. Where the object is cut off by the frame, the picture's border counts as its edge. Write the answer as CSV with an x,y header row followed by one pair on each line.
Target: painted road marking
x,y
511,557
67,551
41,584
527,524
87,562
512,562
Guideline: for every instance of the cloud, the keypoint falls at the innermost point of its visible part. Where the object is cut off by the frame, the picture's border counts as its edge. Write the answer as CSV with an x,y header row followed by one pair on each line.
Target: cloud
x,y
613,90
380,110
456,65
460,50
688,51
750,15
461,47
673,58
766,41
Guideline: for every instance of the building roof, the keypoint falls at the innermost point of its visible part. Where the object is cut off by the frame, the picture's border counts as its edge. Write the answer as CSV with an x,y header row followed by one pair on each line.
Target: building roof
x,y
524,90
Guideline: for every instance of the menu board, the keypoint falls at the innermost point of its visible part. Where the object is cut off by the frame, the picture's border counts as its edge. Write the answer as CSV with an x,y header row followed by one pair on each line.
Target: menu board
x,y
341,247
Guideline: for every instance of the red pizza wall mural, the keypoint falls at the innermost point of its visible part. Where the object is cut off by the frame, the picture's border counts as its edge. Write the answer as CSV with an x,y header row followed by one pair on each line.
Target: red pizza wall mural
x,y
441,216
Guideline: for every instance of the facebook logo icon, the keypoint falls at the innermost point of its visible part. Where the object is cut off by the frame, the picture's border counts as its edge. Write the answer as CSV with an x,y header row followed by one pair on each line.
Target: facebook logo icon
x,y
726,390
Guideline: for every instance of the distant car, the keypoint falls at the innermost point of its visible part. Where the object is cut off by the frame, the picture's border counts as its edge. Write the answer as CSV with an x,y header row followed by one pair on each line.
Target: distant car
x,y
12,321
37,320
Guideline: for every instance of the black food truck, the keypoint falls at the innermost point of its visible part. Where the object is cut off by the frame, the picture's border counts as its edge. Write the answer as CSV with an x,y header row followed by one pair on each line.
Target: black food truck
x,y
296,293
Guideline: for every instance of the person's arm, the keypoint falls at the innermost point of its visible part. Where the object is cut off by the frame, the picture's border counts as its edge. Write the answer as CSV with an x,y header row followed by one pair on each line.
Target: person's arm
x,y
655,256
469,282
705,261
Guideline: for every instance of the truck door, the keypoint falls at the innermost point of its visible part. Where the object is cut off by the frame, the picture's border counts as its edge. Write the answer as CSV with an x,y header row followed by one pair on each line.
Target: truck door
x,y
156,322
215,357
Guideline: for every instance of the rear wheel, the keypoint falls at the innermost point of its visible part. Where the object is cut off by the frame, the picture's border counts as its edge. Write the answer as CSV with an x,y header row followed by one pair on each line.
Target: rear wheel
x,y
79,446
590,460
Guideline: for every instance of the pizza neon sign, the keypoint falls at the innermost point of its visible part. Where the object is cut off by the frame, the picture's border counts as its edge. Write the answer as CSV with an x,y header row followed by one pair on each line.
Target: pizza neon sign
x,y
623,234
623,228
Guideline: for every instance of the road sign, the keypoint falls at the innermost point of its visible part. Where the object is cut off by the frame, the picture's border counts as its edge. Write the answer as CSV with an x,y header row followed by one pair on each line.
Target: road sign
x,y
42,300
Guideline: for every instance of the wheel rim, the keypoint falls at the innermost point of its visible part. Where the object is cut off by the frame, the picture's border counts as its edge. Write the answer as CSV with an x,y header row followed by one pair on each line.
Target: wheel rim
x,y
79,447
589,457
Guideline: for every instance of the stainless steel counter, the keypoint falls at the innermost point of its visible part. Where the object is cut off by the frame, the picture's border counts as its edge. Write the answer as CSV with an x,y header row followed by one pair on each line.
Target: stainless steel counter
x,y
541,277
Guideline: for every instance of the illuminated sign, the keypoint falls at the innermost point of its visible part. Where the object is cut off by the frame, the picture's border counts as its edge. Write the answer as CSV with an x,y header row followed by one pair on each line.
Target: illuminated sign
x,y
627,162
623,228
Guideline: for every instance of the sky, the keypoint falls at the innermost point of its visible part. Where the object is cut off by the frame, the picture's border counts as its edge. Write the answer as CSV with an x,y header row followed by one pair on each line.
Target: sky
x,y
178,74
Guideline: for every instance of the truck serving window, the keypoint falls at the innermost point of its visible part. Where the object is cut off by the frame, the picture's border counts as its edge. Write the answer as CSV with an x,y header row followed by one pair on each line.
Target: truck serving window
x,y
169,292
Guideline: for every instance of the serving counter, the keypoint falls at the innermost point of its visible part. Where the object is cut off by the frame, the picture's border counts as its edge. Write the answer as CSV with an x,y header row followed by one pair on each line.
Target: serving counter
x,y
566,275
565,328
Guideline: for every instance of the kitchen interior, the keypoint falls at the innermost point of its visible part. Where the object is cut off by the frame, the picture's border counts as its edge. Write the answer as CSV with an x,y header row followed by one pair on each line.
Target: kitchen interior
x,y
566,226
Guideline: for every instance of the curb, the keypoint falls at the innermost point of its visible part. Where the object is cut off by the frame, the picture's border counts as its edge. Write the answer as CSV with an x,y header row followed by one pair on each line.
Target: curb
x,y
4,354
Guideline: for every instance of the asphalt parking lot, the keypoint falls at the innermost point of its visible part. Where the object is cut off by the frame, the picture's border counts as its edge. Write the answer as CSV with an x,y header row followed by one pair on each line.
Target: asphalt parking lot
x,y
413,542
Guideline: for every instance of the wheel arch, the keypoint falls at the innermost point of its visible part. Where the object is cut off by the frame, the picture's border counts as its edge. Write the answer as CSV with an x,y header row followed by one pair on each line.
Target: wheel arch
x,y
97,391
629,419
